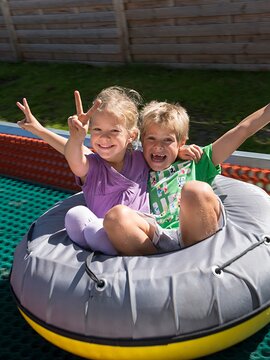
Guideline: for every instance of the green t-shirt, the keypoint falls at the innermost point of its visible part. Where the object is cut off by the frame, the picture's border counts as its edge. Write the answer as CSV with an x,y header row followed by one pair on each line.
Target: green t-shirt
x,y
165,186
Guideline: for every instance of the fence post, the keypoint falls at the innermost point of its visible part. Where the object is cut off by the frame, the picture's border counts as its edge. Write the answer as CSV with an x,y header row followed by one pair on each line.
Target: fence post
x,y
11,29
121,23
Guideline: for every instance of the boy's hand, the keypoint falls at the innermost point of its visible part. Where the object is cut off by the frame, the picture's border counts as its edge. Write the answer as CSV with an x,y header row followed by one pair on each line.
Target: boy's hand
x,y
190,152
29,123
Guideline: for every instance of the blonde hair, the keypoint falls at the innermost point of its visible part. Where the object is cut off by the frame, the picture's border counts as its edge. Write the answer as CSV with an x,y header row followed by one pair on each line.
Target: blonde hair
x,y
172,116
123,103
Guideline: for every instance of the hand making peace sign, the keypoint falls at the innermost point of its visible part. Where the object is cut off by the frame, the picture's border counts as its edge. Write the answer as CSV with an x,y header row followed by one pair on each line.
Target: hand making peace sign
x,y
29,123
79,123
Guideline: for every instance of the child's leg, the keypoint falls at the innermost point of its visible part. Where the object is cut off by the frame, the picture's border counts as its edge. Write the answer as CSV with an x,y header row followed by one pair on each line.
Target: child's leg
x,y
97,239
76,219
86,230
129,232
200,212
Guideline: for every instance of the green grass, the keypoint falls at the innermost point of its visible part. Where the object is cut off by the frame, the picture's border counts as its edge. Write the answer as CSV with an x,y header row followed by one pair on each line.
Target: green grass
x,y
215,100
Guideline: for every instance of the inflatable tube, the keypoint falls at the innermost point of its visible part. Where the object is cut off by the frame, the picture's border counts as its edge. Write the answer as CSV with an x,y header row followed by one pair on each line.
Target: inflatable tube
x,y
178,305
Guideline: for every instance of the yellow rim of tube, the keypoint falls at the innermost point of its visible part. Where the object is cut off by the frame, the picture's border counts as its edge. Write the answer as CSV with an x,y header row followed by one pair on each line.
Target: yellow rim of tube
x,y
188,349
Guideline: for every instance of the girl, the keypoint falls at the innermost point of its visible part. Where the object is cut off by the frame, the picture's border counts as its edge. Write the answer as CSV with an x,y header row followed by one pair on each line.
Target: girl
x,y
112,174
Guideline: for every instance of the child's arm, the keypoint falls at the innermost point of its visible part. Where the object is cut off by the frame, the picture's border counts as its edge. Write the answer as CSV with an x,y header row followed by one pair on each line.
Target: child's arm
x,y
231,140
74,153
31,124
78,127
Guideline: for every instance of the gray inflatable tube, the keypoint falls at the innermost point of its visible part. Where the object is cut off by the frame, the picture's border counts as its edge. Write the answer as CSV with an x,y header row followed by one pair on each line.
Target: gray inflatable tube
x,y
177,305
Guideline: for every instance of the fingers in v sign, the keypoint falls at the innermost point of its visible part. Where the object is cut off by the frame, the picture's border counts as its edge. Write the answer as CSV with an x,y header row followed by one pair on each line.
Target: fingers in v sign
x,y
82,116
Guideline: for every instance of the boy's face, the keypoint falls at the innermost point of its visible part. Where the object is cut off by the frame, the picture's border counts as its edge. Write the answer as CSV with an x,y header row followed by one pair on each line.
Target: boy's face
x,y
160,147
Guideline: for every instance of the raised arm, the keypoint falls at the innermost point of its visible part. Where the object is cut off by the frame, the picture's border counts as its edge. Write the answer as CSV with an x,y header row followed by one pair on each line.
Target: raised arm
x,y
231,140
78,128
31,124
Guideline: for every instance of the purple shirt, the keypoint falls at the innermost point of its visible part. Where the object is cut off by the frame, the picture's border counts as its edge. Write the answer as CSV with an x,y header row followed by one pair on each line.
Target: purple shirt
x,y
105,187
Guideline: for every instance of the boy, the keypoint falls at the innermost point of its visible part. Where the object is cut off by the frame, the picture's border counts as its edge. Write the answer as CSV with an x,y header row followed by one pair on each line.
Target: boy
x,y
164,129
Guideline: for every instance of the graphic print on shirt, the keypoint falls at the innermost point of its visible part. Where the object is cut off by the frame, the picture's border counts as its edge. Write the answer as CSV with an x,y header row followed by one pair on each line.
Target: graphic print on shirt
x,y
166,186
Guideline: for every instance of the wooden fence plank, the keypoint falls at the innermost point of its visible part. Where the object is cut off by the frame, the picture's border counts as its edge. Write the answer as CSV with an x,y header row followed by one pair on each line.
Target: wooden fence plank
x,y
210,49
52,4
70,48
10,29
122,28
201,30
4,33
220,8
215,66
105,16
5,47
106,33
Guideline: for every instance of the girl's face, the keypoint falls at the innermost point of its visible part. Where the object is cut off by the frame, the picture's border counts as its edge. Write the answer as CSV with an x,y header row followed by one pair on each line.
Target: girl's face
x,y
160,147
109,137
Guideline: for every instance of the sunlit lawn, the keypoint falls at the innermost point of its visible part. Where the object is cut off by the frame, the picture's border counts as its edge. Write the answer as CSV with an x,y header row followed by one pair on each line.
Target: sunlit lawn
x,y
215,100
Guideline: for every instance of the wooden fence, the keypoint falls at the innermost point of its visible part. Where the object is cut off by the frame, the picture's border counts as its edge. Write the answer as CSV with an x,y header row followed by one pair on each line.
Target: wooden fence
x,y
222,34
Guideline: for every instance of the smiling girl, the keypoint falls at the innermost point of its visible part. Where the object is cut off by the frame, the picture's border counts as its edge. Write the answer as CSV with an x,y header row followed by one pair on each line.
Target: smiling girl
x,y
113,173
109,175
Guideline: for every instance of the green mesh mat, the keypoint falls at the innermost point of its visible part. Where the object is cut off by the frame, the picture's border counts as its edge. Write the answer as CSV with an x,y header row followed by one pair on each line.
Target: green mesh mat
x,y
21,203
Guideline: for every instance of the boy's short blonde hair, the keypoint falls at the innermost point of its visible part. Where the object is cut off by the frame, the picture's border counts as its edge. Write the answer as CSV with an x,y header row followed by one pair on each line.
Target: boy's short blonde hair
x,y
123,103
172,116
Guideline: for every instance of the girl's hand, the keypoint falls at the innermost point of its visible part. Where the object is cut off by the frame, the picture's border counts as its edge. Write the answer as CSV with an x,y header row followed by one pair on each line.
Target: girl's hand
x,y
77,129
78,124
190,152
82,116
29,123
